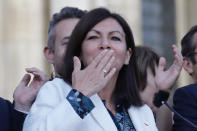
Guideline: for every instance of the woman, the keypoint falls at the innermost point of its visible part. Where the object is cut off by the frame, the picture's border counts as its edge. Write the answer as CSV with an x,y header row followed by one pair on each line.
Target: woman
x,y
147,61
153,79
104,94
152,74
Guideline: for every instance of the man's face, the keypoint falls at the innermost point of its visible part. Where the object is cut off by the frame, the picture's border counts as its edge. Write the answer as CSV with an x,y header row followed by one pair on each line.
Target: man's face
x,y
63,30
190,67
194,67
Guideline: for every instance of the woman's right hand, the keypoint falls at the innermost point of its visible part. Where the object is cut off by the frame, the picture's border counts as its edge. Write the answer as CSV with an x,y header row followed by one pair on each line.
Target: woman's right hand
x,y
95,76
166,78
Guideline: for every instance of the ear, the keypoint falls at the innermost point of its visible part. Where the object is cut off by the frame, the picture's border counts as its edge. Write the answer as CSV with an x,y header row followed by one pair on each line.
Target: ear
x,y
49,54
128,56
188,66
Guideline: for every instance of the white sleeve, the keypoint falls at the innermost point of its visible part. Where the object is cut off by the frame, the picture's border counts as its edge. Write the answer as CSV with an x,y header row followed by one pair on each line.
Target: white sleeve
x,y
51,111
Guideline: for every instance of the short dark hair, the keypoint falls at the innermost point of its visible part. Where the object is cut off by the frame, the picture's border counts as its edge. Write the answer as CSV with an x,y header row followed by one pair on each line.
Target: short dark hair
x,y
146,58
126,92
65,13
187,44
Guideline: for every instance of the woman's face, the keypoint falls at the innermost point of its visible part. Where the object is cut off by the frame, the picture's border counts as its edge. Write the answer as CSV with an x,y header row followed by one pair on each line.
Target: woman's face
x,y
148,93
107,34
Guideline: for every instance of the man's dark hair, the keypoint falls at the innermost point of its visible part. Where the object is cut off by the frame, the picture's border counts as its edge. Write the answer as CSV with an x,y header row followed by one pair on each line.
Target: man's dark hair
x,y
65,13
188,44
126,91
146,58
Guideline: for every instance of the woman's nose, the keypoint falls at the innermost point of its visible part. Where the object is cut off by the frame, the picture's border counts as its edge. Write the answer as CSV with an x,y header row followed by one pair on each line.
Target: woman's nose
x,y
105,44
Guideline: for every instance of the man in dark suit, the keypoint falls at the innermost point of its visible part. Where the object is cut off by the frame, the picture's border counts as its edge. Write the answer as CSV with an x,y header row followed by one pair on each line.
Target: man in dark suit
x,y
12,115
185,98
10,119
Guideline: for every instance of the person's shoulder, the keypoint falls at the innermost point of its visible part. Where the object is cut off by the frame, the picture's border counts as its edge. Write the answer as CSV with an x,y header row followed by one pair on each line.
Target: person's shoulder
x,y
5,115
188,88
54,87
187,92
56,82
4,102
191,87
5,112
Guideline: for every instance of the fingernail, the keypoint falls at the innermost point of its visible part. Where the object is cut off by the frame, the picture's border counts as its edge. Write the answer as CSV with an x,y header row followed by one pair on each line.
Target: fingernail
x,y
74,58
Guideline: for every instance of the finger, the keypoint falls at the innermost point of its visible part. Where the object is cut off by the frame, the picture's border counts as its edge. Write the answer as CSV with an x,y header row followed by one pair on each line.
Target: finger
x,y
110,74
37,82
177,64
177,56
33,69
40,75
108,65
176,51
174,48
77,64
98,58
25,80
105,60
37,73
162,64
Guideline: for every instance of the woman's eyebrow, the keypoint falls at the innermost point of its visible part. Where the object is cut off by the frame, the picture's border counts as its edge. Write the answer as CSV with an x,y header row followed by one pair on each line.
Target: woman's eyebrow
x,y
117,32
96,31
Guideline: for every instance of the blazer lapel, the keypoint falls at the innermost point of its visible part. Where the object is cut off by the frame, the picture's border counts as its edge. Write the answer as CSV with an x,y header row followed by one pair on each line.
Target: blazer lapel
x,y
135,119
101,114
142,118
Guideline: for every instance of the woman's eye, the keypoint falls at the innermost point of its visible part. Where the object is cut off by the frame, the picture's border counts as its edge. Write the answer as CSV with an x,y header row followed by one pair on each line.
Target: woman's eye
x,y
65,43
92,37
115,38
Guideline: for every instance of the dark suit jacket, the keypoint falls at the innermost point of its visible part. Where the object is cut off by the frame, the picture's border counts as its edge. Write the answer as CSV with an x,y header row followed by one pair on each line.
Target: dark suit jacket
x,y
185,103
10,119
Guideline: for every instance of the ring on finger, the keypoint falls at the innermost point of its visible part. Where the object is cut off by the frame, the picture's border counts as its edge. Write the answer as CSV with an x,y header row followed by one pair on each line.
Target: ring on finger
x,y
105,71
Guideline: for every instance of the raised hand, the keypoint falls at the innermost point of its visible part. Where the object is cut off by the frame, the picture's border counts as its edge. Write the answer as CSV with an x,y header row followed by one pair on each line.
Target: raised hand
x,y
95,76
166,78
26,92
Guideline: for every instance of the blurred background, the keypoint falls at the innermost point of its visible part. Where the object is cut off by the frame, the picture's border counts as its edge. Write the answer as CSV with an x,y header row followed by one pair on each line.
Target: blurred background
x,y
24,25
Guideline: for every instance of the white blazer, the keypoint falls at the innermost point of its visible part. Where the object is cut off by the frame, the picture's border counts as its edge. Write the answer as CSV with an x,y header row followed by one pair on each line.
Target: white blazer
x,y
52,112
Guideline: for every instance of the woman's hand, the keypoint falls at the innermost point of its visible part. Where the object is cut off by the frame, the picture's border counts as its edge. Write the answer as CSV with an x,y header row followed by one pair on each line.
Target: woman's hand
x,y
95,76
166,78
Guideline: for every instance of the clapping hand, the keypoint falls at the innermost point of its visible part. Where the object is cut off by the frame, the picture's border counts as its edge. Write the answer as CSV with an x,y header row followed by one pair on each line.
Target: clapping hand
x,y
166,78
